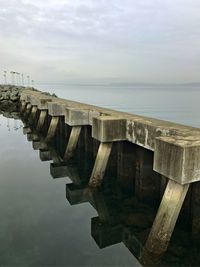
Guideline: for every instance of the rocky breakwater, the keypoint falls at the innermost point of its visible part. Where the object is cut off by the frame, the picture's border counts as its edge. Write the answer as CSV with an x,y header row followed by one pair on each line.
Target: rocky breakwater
x,y
9,97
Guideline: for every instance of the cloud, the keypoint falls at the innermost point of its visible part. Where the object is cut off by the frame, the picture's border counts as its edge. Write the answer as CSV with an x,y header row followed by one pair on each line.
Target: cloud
x,y
130,39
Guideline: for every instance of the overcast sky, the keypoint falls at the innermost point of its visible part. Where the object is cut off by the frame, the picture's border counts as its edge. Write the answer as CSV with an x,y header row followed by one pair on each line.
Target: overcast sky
x,y
101,40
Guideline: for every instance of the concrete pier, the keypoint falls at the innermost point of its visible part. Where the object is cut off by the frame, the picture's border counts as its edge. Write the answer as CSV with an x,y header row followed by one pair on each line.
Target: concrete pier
x,y
152,153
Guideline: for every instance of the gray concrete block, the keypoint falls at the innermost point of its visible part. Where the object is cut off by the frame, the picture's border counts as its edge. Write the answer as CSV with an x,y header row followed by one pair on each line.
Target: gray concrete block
x,y
56,109
33,100
178,158
93,114
109,129
76,117
43,103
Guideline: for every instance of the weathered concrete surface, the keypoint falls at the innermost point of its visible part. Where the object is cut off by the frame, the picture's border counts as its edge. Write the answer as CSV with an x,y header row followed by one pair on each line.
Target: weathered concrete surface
x,y
165,220
55,109
178,158
76,117
139,130
109,129
100,164
109,125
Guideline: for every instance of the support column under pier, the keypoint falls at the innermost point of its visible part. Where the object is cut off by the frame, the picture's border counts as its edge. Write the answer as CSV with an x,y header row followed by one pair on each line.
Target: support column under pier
x,y
22,106
177,158
165,221
106,129
32,117
42,117
72,143
27,110
52,129
100,164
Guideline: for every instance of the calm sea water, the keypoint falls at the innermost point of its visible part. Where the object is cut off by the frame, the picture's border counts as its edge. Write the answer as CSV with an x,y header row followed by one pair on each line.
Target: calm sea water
x,y
174,103
38,226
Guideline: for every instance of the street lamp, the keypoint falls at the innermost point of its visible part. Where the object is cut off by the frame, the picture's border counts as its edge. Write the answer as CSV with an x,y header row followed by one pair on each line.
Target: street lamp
x,y
32,83
18,77
5,76
28,80
22,75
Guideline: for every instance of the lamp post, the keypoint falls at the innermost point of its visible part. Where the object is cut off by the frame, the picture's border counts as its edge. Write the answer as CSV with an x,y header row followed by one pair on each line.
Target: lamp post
x,y
32,83
22,76
5,76
18,78
12,77
28,80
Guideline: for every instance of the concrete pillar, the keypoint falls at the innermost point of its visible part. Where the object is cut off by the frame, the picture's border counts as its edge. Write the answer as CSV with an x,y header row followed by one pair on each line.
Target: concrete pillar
x,y
100,164
165,220
178,159
106,129
33,114
42,117
23,106
27,110
52,128
72,143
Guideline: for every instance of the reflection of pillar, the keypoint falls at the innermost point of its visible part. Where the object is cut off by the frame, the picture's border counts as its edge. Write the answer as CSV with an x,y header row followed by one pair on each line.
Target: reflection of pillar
x,y
77,194
32,137
37,144
105,234
58,170
132,242
45,155
26,130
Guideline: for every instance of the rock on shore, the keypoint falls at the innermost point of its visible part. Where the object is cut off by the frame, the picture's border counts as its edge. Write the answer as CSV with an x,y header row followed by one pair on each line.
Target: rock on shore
x,y
9,97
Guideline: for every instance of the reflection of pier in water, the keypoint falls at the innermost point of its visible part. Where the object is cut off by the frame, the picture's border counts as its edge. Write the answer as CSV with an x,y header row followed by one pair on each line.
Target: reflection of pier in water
x,y
124,214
